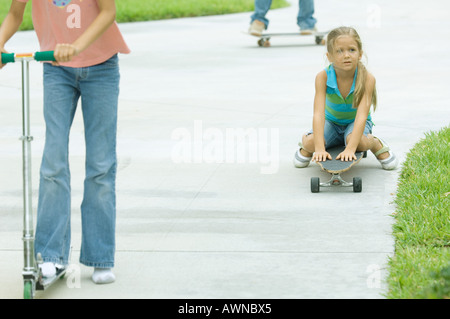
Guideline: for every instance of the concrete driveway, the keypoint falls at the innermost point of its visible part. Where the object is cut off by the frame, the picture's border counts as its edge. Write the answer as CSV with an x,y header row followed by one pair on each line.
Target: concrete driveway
x,y
204,212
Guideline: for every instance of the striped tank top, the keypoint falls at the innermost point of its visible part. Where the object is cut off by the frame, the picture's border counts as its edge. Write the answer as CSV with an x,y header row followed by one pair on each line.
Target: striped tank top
x,y
339,109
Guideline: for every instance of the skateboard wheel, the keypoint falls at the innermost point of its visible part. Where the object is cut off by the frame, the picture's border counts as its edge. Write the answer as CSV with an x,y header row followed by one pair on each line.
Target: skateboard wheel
x,y
264,43
315,184
357,184
319,40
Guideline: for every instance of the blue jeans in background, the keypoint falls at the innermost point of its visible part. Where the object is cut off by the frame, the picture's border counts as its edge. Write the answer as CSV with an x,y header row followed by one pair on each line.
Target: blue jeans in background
x,y
98,87
305,19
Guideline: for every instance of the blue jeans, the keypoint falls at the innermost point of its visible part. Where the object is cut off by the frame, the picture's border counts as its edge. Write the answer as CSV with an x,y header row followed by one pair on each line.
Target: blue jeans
x,y
305,19
335,135
98,87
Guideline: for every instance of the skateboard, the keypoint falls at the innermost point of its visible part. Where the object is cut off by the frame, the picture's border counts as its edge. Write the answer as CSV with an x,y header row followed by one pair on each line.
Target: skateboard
x,y
335,168
264,39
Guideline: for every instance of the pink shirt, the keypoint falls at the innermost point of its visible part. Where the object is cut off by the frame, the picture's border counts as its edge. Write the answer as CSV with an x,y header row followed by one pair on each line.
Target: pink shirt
x,y
63,21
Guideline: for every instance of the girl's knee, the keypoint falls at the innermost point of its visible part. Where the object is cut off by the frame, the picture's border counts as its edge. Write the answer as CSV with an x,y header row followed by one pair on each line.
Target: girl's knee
x,y
364,144
306,137
308,142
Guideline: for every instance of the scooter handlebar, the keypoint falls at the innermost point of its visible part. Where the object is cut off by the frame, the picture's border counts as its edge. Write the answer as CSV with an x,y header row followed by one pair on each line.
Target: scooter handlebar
x,y
8,58
38,56
45,56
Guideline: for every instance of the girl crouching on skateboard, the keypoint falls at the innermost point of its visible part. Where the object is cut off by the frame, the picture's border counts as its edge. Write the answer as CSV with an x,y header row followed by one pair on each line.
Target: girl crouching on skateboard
x,y
86,41
344,93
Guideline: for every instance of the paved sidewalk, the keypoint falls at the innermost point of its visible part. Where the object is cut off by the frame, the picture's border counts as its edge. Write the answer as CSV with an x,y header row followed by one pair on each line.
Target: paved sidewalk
x,y
217,225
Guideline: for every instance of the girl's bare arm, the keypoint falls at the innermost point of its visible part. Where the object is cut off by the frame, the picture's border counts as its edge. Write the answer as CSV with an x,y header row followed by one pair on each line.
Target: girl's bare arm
x,y
320,154
11,24
360,122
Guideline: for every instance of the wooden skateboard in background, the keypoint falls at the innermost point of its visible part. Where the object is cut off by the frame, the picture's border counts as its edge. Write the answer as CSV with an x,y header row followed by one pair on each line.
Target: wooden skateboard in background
x,y
264,39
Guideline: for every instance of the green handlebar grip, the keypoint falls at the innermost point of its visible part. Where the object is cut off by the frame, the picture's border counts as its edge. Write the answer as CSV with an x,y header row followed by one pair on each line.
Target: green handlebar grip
x,y
8,58
44,56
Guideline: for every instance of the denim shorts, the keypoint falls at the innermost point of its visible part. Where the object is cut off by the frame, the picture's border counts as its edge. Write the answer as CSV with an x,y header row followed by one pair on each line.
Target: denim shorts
x,y
335,134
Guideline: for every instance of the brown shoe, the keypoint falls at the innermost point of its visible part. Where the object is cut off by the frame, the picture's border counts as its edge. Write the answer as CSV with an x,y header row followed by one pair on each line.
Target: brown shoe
x,y
257,28
308,31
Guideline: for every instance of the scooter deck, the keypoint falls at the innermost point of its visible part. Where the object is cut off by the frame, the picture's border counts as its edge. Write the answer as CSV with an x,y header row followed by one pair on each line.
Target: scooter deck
x,y
44,283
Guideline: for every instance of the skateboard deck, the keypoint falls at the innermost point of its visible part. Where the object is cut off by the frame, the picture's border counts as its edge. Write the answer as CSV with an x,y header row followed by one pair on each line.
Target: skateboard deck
x,y
265,37
335,168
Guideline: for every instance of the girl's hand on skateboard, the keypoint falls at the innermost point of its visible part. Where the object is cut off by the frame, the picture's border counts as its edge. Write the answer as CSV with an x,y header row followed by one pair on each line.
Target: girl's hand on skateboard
x,y
346,156
321,156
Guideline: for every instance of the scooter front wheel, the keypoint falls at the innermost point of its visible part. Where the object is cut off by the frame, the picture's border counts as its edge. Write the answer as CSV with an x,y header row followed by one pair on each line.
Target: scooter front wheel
x,y
28,289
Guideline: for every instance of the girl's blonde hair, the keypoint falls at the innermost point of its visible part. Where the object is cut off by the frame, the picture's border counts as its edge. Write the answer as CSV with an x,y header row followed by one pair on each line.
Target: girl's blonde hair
x,y
361,77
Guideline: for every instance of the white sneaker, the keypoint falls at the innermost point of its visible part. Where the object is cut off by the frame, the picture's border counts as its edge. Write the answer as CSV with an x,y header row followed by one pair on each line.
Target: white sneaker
x,y
389,163
48,269
301,161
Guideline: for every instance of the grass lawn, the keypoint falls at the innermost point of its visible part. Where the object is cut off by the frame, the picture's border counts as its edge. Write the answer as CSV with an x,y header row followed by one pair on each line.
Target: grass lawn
x,y
4,8
138,10
421,265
